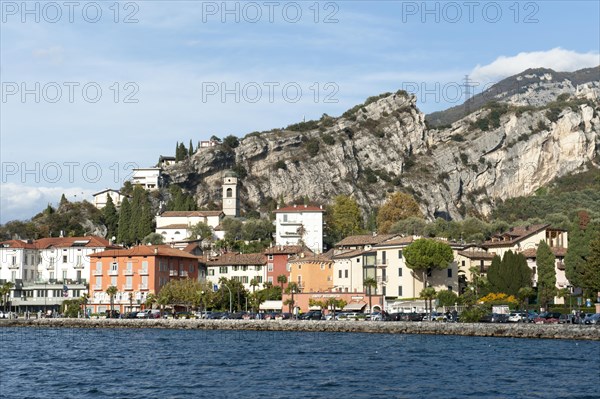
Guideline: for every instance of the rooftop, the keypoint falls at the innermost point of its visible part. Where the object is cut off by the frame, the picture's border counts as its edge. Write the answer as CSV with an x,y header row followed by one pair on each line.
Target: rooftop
x,y
190,213
365,239
299,208
233,259
145,250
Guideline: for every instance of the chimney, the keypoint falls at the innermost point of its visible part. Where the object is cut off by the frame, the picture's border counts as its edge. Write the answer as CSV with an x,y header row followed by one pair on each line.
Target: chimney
x,y
62,233
295,205
305,205
155,250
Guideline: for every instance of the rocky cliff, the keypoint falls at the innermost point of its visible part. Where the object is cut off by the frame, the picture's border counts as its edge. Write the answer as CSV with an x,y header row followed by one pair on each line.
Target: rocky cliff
x,y
503,149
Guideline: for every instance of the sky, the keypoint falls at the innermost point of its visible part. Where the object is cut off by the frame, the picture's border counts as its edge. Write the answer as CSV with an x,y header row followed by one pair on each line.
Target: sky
x,y
90,89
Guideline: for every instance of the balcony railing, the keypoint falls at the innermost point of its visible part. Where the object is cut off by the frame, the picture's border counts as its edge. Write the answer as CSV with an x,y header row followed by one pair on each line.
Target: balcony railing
x,y
288,222
183,273
173,273
127,287
381,279
113,272
97,272
78,266
15,266
129,272
97,288
382,262
143,272
142,287
50,266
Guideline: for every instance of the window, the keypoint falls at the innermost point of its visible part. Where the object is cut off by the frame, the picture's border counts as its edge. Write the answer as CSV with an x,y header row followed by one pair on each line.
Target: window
x,y
383,274
65,259
64,275
383,290
383,258
144,282
399,272
14,260
339,274
223,269
346,273
449,273
144,266
191,268
229,193
52,261
128,282
113,280
13,276
299,267
322,266
259,279
51,275
245,279
269,279
400,290
258,268
129,267
449,288
211,272
235,268
99,267
463,263
78,261
244,268
399,254
270,257
114,267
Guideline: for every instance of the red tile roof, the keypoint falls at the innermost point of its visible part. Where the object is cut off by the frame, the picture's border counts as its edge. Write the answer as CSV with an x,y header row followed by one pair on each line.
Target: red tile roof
x,y
364,239
351,254
299,208
17,244
482,255
231,259
145,250
311,258
397,241
190,213
284,249
514,235
532,252
87,241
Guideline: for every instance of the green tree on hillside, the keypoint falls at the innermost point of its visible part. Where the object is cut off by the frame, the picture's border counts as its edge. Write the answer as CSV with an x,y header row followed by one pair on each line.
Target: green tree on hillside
x,y
397,207
123,235
509,274
110,217
546,285
575,259
345,217
592,269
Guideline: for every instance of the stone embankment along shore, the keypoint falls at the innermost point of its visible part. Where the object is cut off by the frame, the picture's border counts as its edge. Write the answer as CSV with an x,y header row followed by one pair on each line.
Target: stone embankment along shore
x,y
556,331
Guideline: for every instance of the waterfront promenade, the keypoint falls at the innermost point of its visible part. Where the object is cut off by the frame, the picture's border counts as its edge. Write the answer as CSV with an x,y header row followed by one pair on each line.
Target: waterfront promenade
x,y
515,330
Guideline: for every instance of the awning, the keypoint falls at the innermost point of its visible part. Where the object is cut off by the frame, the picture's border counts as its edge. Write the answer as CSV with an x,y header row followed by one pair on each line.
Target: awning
x,y
355,306
271,305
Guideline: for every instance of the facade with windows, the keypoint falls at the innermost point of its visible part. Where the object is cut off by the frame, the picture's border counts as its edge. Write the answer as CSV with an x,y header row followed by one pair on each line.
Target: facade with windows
x,y
277,261
47,271
136,273
312,272
298,224
240,267
176,226
101,198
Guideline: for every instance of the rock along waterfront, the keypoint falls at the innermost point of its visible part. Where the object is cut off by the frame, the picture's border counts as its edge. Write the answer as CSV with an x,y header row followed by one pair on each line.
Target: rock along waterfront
x,y
558,331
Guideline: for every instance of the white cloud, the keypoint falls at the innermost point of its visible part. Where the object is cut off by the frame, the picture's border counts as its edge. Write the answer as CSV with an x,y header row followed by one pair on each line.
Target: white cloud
x,y
54,54
20,202
559,59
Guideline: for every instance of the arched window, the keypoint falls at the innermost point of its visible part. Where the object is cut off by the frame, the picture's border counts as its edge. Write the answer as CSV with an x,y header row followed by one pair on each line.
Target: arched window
x,y
229,193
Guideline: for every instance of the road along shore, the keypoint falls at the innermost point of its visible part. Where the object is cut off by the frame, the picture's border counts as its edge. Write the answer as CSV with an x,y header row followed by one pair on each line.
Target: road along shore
x,y
514,330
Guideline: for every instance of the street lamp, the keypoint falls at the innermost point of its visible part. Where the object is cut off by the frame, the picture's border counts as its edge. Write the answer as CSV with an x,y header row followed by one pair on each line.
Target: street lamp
x,y
230,298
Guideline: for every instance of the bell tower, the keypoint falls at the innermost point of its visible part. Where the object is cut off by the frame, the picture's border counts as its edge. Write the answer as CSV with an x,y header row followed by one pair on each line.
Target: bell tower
x,y
231,202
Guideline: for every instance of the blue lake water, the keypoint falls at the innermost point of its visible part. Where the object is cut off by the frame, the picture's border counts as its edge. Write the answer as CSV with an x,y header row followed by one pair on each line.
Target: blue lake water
x,y
152,363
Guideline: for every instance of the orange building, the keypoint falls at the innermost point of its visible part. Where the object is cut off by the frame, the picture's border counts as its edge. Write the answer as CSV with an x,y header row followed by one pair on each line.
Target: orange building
x,y
136,272
312,273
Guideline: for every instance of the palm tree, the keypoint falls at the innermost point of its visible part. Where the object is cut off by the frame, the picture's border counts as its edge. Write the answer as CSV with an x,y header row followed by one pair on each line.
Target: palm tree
x,y
84,301
254,283
369,284
150,300
282,279
5,292
428,294
292,288
112,291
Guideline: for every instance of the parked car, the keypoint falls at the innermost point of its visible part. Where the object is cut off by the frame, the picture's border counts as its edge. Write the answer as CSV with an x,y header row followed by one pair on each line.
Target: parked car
x,y
531,316
148,314
311,315
517,317
547,318
185,315
565,318
494,318
592,319
113,314
131,315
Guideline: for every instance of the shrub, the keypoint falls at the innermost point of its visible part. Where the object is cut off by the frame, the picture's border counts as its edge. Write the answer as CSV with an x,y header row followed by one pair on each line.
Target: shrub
x,y
457,137
328,139
464,158
472,315
312,147
231,141
280,165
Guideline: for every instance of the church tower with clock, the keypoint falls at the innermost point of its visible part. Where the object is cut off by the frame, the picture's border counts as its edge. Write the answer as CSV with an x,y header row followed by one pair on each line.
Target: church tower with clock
x,y
231,202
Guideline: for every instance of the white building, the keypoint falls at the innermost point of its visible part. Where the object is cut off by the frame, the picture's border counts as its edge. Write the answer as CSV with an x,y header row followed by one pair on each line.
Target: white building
x,y
240,267
297,223
101,198
148,178
45,272
176,226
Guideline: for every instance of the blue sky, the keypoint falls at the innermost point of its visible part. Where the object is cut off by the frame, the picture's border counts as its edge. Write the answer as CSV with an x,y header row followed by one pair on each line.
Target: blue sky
x,y
170,62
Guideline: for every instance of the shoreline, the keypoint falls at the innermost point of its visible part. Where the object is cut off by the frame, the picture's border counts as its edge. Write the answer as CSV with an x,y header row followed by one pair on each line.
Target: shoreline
x,y
509,330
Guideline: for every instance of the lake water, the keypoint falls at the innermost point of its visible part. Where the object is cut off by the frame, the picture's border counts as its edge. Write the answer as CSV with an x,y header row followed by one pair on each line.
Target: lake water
x,y
152,363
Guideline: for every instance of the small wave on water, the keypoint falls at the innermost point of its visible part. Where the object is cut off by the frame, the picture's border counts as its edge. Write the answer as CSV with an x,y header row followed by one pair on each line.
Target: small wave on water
x,y
216,364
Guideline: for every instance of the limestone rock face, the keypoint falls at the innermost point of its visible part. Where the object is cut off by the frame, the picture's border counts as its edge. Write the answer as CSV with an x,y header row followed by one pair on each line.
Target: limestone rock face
x,y
385,145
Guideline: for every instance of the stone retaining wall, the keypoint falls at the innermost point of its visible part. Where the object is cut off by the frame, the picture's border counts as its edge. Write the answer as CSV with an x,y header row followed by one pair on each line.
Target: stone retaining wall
x,y
555,331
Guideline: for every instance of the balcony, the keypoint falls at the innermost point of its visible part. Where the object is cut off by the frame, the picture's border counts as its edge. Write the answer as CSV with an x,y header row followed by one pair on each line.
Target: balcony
x,y
142,287
183,273
15,266
143,272
129,272
50,266
97,288
127,288
78,266
290,222
113,272
173,273
290,234
381,279
97,272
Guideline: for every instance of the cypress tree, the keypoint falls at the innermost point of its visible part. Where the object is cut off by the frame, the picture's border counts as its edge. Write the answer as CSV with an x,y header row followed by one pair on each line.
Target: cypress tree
x,y
136,225
191,149
545,261
575,257
510,274
111,218
177,153
592,270
124,221
147,219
